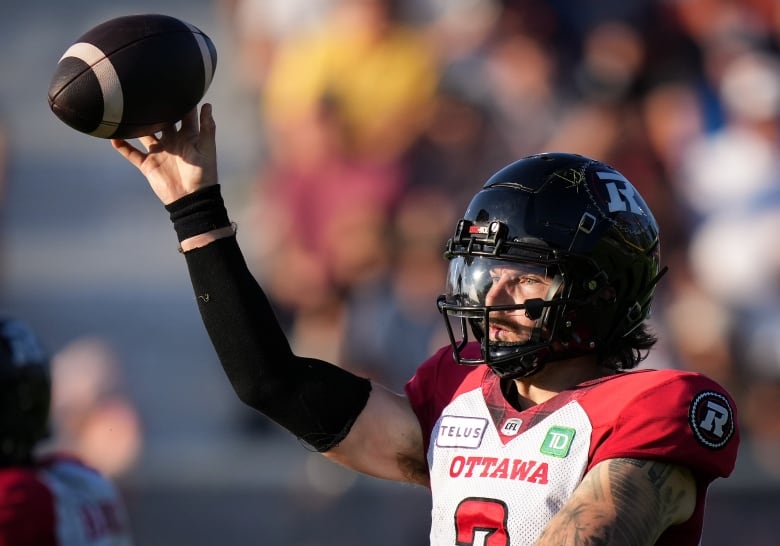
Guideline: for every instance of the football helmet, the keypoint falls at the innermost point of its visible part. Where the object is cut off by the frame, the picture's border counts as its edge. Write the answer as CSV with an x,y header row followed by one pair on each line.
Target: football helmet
x,y
576,225
25,391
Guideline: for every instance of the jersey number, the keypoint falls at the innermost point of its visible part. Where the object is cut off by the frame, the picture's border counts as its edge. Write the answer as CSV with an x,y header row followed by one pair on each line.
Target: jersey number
x,y
481,522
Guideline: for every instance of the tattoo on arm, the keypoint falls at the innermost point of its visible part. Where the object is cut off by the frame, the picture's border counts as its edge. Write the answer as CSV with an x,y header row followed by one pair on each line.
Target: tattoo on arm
x,y
623,502
648,520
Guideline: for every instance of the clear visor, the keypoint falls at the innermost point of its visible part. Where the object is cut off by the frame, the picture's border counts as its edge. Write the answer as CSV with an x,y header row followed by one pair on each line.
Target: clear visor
x,y
475,282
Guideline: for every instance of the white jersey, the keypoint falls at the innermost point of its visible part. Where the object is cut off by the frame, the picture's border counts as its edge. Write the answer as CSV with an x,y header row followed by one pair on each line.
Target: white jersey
x,y
484,470
499,475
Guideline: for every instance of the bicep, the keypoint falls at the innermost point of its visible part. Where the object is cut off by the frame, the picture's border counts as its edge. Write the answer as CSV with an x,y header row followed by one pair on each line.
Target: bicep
x,y
624,502
385,441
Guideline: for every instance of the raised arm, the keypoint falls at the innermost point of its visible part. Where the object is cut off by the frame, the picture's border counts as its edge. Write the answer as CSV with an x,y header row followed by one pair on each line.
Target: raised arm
x,y
336,412
623,502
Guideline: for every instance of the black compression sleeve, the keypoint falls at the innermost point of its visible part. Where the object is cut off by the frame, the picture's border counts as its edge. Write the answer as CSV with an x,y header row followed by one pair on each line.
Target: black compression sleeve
x,y
198,212
316,401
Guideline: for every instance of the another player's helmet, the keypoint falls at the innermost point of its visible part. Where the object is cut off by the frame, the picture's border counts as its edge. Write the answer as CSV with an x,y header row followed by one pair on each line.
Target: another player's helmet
x,y
25,391
591,231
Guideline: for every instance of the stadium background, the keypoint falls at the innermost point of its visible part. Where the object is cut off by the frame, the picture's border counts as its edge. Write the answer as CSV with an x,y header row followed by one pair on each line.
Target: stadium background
x,y
88,253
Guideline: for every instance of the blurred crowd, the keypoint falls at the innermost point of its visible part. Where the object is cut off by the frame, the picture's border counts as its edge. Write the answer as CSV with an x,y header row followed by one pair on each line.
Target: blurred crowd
x,y
92,415
380,118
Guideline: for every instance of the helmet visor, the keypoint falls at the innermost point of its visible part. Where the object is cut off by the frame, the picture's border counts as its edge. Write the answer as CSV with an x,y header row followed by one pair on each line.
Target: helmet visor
x,y
480,281
511,295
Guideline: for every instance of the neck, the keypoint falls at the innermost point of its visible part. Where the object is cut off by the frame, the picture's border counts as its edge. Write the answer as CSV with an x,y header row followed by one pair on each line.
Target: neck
x,y
556,377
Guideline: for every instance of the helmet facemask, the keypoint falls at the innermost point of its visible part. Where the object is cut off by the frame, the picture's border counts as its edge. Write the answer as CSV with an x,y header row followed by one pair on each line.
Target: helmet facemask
x,y
510,295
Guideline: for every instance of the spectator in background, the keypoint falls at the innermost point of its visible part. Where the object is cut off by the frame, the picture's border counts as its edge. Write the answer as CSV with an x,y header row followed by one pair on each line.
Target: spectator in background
x,y
329,213
738,161
459,142
343,103
91,415
378,72
524,103
455,29
396,305
259,26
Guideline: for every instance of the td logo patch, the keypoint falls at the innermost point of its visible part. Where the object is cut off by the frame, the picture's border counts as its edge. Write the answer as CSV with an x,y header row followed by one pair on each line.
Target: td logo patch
x,y
711,419
558,441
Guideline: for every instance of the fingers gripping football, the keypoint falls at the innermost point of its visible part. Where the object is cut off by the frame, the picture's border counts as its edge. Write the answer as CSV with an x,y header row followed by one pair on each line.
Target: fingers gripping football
x,y
179,161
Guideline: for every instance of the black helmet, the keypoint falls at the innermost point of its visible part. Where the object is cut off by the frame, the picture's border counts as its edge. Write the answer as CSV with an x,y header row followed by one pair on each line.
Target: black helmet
x,y
593,235
25,391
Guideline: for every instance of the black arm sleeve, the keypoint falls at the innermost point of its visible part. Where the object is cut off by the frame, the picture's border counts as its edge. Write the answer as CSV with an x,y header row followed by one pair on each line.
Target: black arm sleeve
x,y
316,401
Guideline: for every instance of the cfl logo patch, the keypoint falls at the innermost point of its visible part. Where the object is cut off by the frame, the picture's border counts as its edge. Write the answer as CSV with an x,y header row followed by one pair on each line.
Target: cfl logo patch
x,y
711,419
511,427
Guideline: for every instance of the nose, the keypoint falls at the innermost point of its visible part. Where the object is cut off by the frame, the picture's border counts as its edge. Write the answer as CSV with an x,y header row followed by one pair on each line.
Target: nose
x,y
498,293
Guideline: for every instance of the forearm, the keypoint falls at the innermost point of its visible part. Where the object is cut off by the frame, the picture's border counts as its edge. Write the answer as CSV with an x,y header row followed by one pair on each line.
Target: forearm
x,y
316,401
623,501
237,316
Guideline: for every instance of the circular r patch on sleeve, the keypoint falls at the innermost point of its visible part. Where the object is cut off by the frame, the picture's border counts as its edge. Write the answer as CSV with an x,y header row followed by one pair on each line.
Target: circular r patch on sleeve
x,y
711,419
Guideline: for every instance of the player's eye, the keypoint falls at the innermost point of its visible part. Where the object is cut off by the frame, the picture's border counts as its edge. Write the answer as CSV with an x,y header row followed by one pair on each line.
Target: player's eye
x,y
513,278
528,279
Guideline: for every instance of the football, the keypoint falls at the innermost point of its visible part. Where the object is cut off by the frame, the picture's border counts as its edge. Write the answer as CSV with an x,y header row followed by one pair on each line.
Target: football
x,y
131,76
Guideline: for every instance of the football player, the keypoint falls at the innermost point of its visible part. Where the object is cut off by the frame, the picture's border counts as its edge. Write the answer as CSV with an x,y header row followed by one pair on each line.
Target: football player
x,y
45,500
532,427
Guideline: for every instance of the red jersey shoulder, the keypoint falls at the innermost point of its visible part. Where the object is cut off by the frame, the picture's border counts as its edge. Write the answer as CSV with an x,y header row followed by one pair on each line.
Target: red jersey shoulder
x,y
437,382
680,416
22,484
26,508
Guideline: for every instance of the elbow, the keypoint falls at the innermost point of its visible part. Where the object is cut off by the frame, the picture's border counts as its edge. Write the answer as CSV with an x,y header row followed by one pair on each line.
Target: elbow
x,y
257,392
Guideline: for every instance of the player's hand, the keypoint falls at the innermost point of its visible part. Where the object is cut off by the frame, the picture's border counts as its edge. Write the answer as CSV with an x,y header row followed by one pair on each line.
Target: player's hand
x,y
179,161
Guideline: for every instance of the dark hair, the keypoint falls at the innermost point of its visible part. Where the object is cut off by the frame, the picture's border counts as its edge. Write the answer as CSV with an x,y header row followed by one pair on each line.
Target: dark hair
x,y
628,351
